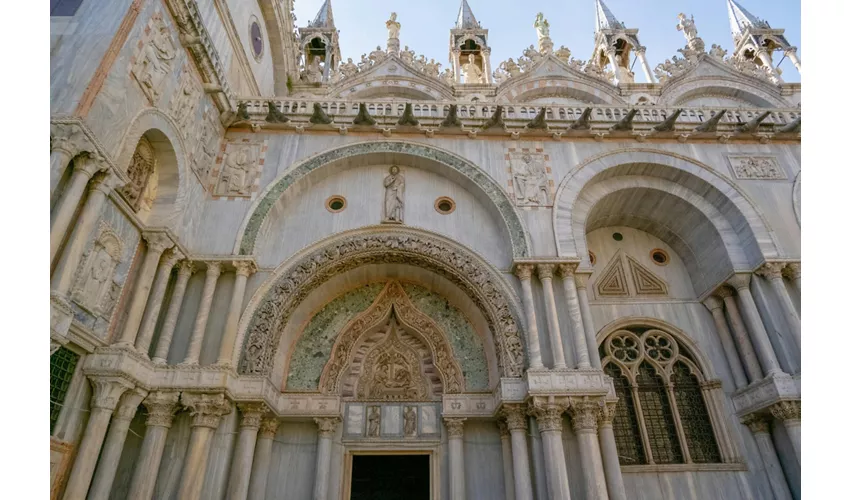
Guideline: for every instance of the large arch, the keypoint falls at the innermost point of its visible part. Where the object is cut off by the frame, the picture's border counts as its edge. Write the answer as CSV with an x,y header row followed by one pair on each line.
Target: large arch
x,y
271,306
416,152
679,92
535,87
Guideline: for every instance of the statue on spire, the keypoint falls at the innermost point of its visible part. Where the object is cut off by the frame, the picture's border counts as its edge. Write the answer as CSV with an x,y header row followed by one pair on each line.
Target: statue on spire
x,y
689,29
393,28
544,43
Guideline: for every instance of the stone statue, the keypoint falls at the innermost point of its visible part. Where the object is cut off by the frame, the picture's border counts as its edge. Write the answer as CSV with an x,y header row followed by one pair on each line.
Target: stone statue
x,y
374,420
510,67
364,63
542,27
688,27
407,55
348,68
393,26
530,180
313,72
432,69
409,421
448,76
394,196
471,72
236,172
563,54
717,51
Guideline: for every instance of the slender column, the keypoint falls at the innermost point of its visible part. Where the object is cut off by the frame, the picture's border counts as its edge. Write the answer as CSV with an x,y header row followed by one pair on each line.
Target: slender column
x,y
197,339
161,407
761,432
577,330
677,420
107,465
85,166
790,414
792,272
157,244
791,53
611,54
764,351
103,402
143,342
457,488
160,355
715,305
742,338
517,425
610,457
584,414
587,320
523,272
550,421
262,457
228,341
243,457
641,55
206,410
507,460
456,64
488,72
773,272
99,189
327,428
712,394
544,272
767,61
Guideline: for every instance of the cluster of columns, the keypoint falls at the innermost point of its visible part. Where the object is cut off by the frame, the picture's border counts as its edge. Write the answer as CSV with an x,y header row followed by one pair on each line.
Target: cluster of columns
x,y
789,414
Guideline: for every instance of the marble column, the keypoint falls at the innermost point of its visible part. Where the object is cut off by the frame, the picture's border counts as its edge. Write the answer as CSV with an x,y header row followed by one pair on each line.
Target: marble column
x,y
577,330
517,425
792,272
66,142
714,397
610,457
107,465
715,305
584,414
160,355
587,319
327,428
767,61
161,407
262,458
85,166
157,244
243,457
545,272
611,54
758,334
760,428
228,341
507,460
790,414
641,55
99,190
523,272
163,275
106,392
791,53
739,331
196,341
457,485
206,411
488,71
772,271
550,421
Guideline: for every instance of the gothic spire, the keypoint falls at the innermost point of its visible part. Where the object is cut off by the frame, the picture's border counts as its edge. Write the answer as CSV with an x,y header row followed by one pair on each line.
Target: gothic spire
x,y
740,18
325,16
605,19
465,17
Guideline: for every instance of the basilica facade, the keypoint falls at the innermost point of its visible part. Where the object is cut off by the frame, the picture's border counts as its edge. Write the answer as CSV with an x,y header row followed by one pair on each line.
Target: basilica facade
x,y
281,273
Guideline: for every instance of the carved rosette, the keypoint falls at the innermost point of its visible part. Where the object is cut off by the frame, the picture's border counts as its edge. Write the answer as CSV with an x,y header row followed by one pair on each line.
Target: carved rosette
x,y
787,411
514,417
756,423
268,427
252,414
454,427
327,426
584,415
161,407
206,409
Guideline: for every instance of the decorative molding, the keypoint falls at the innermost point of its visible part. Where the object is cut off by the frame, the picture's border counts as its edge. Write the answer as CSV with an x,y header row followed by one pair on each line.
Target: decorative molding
x,y
612,282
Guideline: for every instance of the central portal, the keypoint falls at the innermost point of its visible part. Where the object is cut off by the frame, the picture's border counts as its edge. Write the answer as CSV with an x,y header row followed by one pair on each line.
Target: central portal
x,y
390,477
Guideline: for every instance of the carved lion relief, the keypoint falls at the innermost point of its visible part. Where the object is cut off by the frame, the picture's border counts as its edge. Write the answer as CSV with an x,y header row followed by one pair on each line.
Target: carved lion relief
x,y
154,60
94,289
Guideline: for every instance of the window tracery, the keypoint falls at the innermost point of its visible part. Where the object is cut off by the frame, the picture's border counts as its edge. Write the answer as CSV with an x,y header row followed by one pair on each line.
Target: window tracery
x,y
662,416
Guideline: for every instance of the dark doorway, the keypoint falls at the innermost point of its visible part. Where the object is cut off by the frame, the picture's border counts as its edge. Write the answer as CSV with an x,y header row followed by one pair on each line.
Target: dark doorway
x,y
390,477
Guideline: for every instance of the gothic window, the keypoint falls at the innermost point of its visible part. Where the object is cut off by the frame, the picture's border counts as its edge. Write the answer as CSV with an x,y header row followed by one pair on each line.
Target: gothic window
x,y
141,189
62,364
662,416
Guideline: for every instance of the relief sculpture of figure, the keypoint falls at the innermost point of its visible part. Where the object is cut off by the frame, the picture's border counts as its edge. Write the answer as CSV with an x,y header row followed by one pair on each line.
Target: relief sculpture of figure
x,y
374,420
98,276
530,177
234,177
154,64
394,196
409,421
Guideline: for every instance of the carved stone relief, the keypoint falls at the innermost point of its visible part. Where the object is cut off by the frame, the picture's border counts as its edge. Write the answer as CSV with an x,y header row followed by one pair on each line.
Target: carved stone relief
x,y
237,173
140,191
530,177
185,103
206,146
154,60
373,422
394,196
392,371
409,421
756,167
391,421
94,289
613,281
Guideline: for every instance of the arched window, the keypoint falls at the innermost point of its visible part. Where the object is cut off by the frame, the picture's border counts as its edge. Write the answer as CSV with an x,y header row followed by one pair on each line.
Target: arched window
x,y
661,416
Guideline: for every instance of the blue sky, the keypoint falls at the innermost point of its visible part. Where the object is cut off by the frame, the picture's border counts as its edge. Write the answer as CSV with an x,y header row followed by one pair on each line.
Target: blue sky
x,y
425,25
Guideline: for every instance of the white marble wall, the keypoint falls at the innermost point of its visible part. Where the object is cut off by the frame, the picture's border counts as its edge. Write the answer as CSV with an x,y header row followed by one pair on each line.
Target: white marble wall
x,y
292,468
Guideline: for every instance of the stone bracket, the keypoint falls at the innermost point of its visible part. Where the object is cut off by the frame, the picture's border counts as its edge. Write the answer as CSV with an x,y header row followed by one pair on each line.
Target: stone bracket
x,y
762,394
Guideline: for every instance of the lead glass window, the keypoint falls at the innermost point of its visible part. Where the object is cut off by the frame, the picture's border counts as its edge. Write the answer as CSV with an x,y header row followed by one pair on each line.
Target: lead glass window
x,y
62,364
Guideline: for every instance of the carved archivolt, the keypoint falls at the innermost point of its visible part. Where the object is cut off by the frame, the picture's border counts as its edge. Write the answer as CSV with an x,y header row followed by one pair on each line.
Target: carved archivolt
x,y
469,273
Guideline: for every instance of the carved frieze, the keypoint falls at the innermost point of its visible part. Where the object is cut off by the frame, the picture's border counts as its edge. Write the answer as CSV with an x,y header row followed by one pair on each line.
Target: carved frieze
x,y
154,59
391,421
237,173
95,289
530,177
756,167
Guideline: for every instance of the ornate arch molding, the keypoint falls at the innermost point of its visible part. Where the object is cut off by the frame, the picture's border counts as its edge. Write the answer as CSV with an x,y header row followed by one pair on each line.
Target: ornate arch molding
x,y
520,241
534,86
392,301
273,303
577,181
690,88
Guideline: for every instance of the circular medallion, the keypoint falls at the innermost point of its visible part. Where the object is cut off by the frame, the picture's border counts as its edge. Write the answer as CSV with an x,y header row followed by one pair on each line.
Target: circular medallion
x,y
256,40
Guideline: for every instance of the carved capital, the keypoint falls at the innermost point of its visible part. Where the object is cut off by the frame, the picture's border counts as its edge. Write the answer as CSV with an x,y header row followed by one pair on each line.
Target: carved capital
x,y
567,270
157,242
252,414
206,409
268,427
244,267
67,138
740,281
105,182
106,391
792,271
503,428
545,271
584,414
771,270
524,271
514,417
713,302
161,407
724,291
756,423
90,163
787,410
607,412
129,403
581,281
170,258
186,268
454,426
213,268
327,426
549,416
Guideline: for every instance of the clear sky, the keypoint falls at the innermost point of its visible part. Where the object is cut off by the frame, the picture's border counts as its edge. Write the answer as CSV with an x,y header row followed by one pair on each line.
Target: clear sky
x,y
425,25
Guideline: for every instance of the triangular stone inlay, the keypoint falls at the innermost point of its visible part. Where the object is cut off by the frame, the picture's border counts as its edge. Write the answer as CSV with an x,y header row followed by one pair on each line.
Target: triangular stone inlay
x,y
646,282
613,283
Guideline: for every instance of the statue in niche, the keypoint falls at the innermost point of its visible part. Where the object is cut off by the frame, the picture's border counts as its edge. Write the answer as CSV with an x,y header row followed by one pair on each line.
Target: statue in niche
x,y
471,72
409,421
313,72
154,61
394,196
393,26
94,285
141,167
542,26
530,180
374,421
236,174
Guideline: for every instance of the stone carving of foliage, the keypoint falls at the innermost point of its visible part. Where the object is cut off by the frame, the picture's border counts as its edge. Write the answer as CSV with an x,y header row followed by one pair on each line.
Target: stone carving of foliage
x,y
94,289
468,274
140,171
